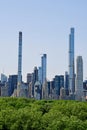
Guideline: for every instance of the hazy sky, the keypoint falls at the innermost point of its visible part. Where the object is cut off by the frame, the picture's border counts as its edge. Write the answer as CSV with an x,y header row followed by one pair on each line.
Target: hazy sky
x,y
46,26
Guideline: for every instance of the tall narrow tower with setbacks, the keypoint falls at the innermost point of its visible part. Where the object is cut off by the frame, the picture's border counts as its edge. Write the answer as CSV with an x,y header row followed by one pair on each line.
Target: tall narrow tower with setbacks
x,y
44,67
19,65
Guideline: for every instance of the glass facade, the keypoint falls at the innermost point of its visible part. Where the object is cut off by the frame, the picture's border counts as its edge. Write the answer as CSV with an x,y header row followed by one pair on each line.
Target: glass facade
x,y
19,84
44,66
71,62
67,83
20,58
12,84
40,74
58,83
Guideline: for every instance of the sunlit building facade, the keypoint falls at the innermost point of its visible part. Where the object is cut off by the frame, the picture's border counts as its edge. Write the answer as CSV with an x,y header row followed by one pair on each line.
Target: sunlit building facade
x,y
79,78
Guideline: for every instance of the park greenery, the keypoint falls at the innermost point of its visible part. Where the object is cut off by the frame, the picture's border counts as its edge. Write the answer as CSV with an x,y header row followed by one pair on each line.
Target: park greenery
x,y
30,114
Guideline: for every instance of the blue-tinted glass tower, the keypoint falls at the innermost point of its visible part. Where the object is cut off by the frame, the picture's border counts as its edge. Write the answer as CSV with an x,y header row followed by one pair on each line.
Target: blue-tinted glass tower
x,y
44,67
40,74
58,83
71,62
12,84
67,83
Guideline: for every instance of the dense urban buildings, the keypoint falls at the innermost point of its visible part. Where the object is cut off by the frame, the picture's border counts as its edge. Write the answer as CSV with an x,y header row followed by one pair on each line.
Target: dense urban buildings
x,y
69,86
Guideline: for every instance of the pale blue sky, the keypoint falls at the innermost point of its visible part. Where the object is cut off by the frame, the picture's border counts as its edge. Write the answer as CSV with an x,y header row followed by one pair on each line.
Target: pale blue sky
x,y
46,26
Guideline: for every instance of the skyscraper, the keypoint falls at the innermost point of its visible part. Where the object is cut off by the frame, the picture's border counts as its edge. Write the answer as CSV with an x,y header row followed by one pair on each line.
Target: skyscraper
x,y
67,83
12,84
71,62
58,83
79,78
57,86
29,77
19,65
34,79
3,78
35,74
44,67
40,74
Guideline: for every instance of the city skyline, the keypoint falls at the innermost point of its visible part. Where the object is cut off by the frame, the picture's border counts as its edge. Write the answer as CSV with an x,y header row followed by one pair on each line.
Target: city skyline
x,y
45,26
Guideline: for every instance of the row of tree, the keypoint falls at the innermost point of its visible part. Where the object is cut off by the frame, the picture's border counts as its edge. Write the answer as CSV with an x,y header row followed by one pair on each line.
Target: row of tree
x,y
26,114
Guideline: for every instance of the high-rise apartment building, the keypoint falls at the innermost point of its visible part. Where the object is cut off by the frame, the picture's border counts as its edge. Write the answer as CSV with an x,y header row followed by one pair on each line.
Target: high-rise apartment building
x,y
37,90
57,86
35,74
71,62
19,84
3,78
40,74
4,90
12,84
44,67
79,78
58,83
52,89
29,77
34,80
66,83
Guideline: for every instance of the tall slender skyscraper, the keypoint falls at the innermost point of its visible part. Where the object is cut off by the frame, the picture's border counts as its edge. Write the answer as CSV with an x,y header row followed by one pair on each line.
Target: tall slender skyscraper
x,y
71,62
44,67
40,74
79,78
19,65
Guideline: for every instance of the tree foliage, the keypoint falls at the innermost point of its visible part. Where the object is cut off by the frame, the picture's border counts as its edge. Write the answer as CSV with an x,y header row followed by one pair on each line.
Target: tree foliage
x,y
30,114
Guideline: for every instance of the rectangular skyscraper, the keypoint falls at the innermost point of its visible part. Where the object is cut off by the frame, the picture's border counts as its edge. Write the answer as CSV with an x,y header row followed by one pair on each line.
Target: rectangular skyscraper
x,y
79,78
12,84
44,67
67,83
71,62
40,74
19,64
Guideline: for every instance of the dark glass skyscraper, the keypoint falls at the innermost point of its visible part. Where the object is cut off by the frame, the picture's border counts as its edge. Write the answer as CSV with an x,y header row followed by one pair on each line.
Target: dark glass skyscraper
x,y
71,62
58,83
40,74
12,84
67,83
